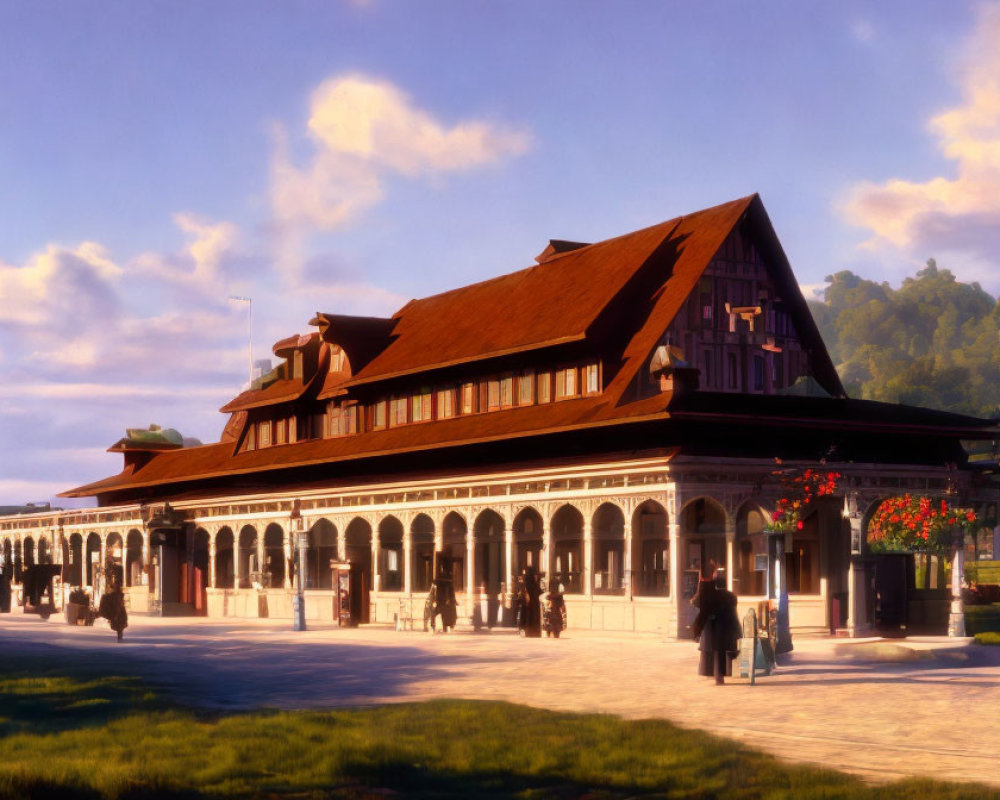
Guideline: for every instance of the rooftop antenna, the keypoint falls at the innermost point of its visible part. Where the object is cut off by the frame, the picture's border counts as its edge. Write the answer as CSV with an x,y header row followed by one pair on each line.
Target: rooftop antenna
x,y
249,302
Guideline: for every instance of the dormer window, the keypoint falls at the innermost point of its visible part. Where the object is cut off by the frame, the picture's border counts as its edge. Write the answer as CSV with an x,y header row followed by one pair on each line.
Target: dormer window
x,y
264,433
445,403
507,392
544,387
526,388
566,383
379,415
422,406
398,411
469,398
592,378
492,394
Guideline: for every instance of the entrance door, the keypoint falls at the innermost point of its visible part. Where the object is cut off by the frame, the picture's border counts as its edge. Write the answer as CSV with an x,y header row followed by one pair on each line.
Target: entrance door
x,y
359,601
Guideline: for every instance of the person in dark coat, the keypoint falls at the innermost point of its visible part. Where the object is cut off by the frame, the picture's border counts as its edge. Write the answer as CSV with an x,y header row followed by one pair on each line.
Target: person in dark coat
x,y
4,591
717,629
112,606
555,612
532,608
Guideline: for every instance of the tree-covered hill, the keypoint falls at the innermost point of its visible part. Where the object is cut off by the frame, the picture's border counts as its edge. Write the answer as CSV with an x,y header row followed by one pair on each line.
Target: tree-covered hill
x,y
934,342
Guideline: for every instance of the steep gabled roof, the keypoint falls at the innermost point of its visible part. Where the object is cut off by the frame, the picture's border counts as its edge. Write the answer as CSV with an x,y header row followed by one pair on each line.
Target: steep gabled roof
x,y
627,290
555,302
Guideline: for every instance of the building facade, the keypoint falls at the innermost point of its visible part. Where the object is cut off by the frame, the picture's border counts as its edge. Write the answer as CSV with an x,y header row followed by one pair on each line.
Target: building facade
x,y
618,416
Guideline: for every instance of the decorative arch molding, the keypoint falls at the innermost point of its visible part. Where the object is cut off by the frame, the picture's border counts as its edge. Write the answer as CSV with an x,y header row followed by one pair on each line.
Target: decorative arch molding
x,y
482,512
711,503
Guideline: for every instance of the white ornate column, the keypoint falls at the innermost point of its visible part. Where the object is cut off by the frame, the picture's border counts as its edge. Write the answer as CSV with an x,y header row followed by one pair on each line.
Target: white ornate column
x,y
545,555
407,562
341,526
856,589
629,511
439,534
146,566
730,551
956,619
261,531
376,565
587,573
508,543
212,577
286,550
470,569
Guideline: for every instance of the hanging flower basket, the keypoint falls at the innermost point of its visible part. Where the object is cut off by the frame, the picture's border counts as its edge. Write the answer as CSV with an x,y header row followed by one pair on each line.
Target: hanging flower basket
x,y
908,524
800,491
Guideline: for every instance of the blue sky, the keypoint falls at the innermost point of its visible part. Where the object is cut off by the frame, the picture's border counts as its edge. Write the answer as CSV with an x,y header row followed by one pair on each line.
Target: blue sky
x,y
158,157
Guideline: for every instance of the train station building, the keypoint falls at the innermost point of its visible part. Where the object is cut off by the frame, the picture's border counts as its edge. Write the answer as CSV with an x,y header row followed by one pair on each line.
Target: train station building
x,y
617,416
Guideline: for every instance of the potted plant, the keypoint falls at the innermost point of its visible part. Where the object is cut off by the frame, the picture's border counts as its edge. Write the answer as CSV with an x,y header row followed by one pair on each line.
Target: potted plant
x,y
903,528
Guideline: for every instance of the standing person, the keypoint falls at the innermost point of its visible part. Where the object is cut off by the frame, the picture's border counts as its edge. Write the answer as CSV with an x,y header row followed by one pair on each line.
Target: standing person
x,y
4,590
112,606
532,626
430,609
555,612
717,629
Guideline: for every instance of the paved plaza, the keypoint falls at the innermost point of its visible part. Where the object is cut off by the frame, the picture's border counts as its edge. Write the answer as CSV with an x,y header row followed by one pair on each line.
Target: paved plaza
x,y
882,710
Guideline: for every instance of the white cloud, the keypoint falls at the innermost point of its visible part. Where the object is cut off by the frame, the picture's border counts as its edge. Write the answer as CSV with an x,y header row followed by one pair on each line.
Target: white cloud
x,y
377,123
959,214
58,285
363,130
204,265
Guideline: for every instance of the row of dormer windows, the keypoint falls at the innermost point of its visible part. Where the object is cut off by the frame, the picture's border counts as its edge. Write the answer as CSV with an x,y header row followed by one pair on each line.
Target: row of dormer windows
x,y
494,393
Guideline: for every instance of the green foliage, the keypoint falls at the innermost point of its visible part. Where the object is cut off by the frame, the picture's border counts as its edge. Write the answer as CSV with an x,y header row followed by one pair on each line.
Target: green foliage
x,y
991,638
933,342
128,745
982,572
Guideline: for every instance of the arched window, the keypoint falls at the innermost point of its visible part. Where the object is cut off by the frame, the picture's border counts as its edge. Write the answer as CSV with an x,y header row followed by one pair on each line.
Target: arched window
x,y
608,533
133,559
390,538
249,566
422,553
322,551
751,552
274,555
528,540
703,525
567,550
224,561
491,550
650,551
454,534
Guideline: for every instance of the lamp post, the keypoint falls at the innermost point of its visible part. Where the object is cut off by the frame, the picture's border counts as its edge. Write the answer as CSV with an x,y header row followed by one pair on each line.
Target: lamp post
x,y
301,544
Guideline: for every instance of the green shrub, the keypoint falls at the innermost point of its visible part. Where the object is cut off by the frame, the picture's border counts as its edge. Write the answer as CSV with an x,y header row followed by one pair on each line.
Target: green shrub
x,y
982,619
988,638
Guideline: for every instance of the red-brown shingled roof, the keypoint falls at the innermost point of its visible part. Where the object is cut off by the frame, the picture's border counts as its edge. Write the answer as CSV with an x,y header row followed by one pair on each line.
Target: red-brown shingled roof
x,y
655,269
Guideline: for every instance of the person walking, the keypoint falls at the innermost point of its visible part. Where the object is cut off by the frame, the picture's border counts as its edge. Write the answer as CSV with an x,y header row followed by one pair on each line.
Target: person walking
x,y
716,629
112,605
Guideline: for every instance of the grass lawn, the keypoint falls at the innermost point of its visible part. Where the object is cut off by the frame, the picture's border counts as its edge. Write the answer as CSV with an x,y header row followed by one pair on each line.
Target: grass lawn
x,y
67,731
